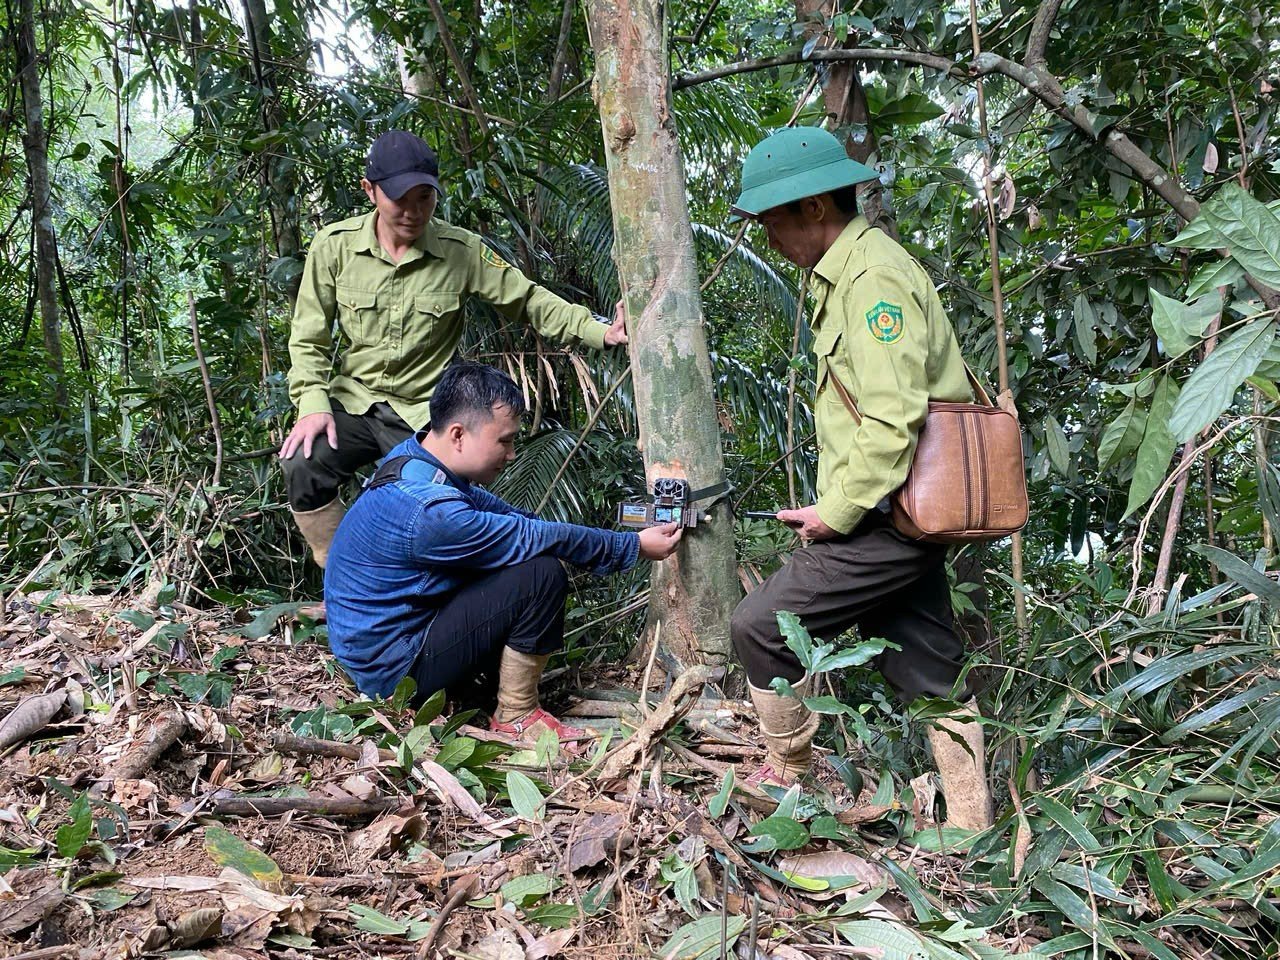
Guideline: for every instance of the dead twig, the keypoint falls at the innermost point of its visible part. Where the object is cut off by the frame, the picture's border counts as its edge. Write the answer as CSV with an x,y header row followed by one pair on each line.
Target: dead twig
x,y
461,891
678,701
326,806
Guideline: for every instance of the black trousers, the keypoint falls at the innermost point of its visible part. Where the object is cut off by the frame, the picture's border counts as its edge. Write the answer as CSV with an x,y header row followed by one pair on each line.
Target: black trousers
x,y
313,482
521,606
873,578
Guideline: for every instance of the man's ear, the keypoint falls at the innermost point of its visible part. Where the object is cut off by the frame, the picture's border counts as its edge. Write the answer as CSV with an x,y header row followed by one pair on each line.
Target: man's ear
x,y
454,432
368,189
815,208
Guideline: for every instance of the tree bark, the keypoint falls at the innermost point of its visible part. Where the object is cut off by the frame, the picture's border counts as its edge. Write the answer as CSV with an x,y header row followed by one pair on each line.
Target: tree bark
x,y
694,592
35,142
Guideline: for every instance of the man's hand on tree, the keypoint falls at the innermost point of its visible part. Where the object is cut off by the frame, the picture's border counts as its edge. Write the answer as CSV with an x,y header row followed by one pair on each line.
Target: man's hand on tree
x,y
658,543
616,335
304,434
807,524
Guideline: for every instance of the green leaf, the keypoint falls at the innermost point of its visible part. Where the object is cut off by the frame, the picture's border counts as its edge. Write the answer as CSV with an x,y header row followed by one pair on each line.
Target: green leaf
x,y
796,637
403,693
526,890
265,621
372,921
1122,435
720,801
1210,389
1265,387
16,675
910,110
1086,320
1056,441
894,942
862,652
556,916
1156,449
1251,230
227,850
786,834
827,704
1217,273
1182,325
106,899
74,835
700,940
1069,822
1074,908
430,709
1269,493
456,752
525,796
1232,566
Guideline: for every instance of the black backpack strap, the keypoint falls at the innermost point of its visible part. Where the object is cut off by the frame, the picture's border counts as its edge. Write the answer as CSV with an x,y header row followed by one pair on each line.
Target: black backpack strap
x,y
388,472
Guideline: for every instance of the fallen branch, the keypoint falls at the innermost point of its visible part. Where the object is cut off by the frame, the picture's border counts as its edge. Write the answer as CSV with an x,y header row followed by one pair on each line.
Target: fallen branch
x,y
678,702
142,757
307,747
324,806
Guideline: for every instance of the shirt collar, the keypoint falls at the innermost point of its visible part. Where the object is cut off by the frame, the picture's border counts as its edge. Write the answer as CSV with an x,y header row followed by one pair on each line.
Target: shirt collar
x,y
429,242
420,452
832,264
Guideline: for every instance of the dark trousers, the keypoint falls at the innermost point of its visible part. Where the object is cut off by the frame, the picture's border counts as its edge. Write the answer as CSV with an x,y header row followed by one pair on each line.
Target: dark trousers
x,y
313,482
873,578
521,606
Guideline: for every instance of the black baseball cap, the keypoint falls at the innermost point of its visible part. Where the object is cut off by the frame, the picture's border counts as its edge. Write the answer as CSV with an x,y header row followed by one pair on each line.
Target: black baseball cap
x,y
398,161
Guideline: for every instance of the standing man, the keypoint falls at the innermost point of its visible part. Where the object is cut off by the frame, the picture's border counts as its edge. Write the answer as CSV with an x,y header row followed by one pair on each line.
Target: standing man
x,y
881,332
396,281
435,578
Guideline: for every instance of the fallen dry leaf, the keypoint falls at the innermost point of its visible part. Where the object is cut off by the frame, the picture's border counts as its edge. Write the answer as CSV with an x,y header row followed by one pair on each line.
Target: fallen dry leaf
x,y
550,945
30,717
36,894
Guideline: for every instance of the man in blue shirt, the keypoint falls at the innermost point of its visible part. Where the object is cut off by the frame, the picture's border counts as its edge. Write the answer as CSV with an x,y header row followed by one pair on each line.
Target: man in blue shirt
x,y
433,577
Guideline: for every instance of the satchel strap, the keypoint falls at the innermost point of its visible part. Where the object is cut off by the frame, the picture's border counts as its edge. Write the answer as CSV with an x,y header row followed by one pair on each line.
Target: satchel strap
x,y
852,407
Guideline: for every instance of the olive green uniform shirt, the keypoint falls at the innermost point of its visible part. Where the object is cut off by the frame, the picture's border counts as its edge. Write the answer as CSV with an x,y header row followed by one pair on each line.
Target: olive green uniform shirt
x,y
880,327
403,321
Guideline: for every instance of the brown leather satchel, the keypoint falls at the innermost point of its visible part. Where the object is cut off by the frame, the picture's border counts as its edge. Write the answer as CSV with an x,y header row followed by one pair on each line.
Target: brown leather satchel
x,y
967,482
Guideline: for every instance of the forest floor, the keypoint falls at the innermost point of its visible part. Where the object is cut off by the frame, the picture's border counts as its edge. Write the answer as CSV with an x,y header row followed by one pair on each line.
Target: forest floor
x,y
186,782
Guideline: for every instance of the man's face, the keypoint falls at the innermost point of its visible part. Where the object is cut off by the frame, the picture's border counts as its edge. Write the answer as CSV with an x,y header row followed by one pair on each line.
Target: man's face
x,y
796,232
485,450
405,219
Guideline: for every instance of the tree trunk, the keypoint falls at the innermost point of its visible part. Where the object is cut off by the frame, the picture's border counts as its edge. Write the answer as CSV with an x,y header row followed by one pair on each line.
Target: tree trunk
x,y
693,593
35,143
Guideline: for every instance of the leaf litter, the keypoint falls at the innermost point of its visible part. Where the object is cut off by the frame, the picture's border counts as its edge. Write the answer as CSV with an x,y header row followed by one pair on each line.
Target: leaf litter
x,y
201,786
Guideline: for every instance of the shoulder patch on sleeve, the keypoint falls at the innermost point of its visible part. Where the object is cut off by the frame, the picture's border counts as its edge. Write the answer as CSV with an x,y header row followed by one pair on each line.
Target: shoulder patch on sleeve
x,y
488,256
885,322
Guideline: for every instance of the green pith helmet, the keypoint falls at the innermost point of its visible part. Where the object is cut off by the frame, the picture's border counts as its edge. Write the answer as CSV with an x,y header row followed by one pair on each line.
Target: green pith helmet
x,y
793,164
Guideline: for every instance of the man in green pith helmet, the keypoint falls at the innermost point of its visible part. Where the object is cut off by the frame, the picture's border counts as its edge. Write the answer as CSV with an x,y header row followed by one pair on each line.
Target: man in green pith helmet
x,y
882,337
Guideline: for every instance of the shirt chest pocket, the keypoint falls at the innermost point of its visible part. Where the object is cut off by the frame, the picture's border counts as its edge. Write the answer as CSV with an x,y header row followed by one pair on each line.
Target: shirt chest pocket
x,y
437,306
358,316
826,344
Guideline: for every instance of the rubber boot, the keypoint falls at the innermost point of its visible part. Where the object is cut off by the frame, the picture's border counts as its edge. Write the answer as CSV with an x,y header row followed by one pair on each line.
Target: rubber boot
x,y
518,712
318,527
963,770
788,727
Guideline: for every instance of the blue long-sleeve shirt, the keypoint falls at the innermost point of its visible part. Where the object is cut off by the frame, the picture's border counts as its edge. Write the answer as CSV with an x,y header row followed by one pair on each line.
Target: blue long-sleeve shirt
x,y
404,548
